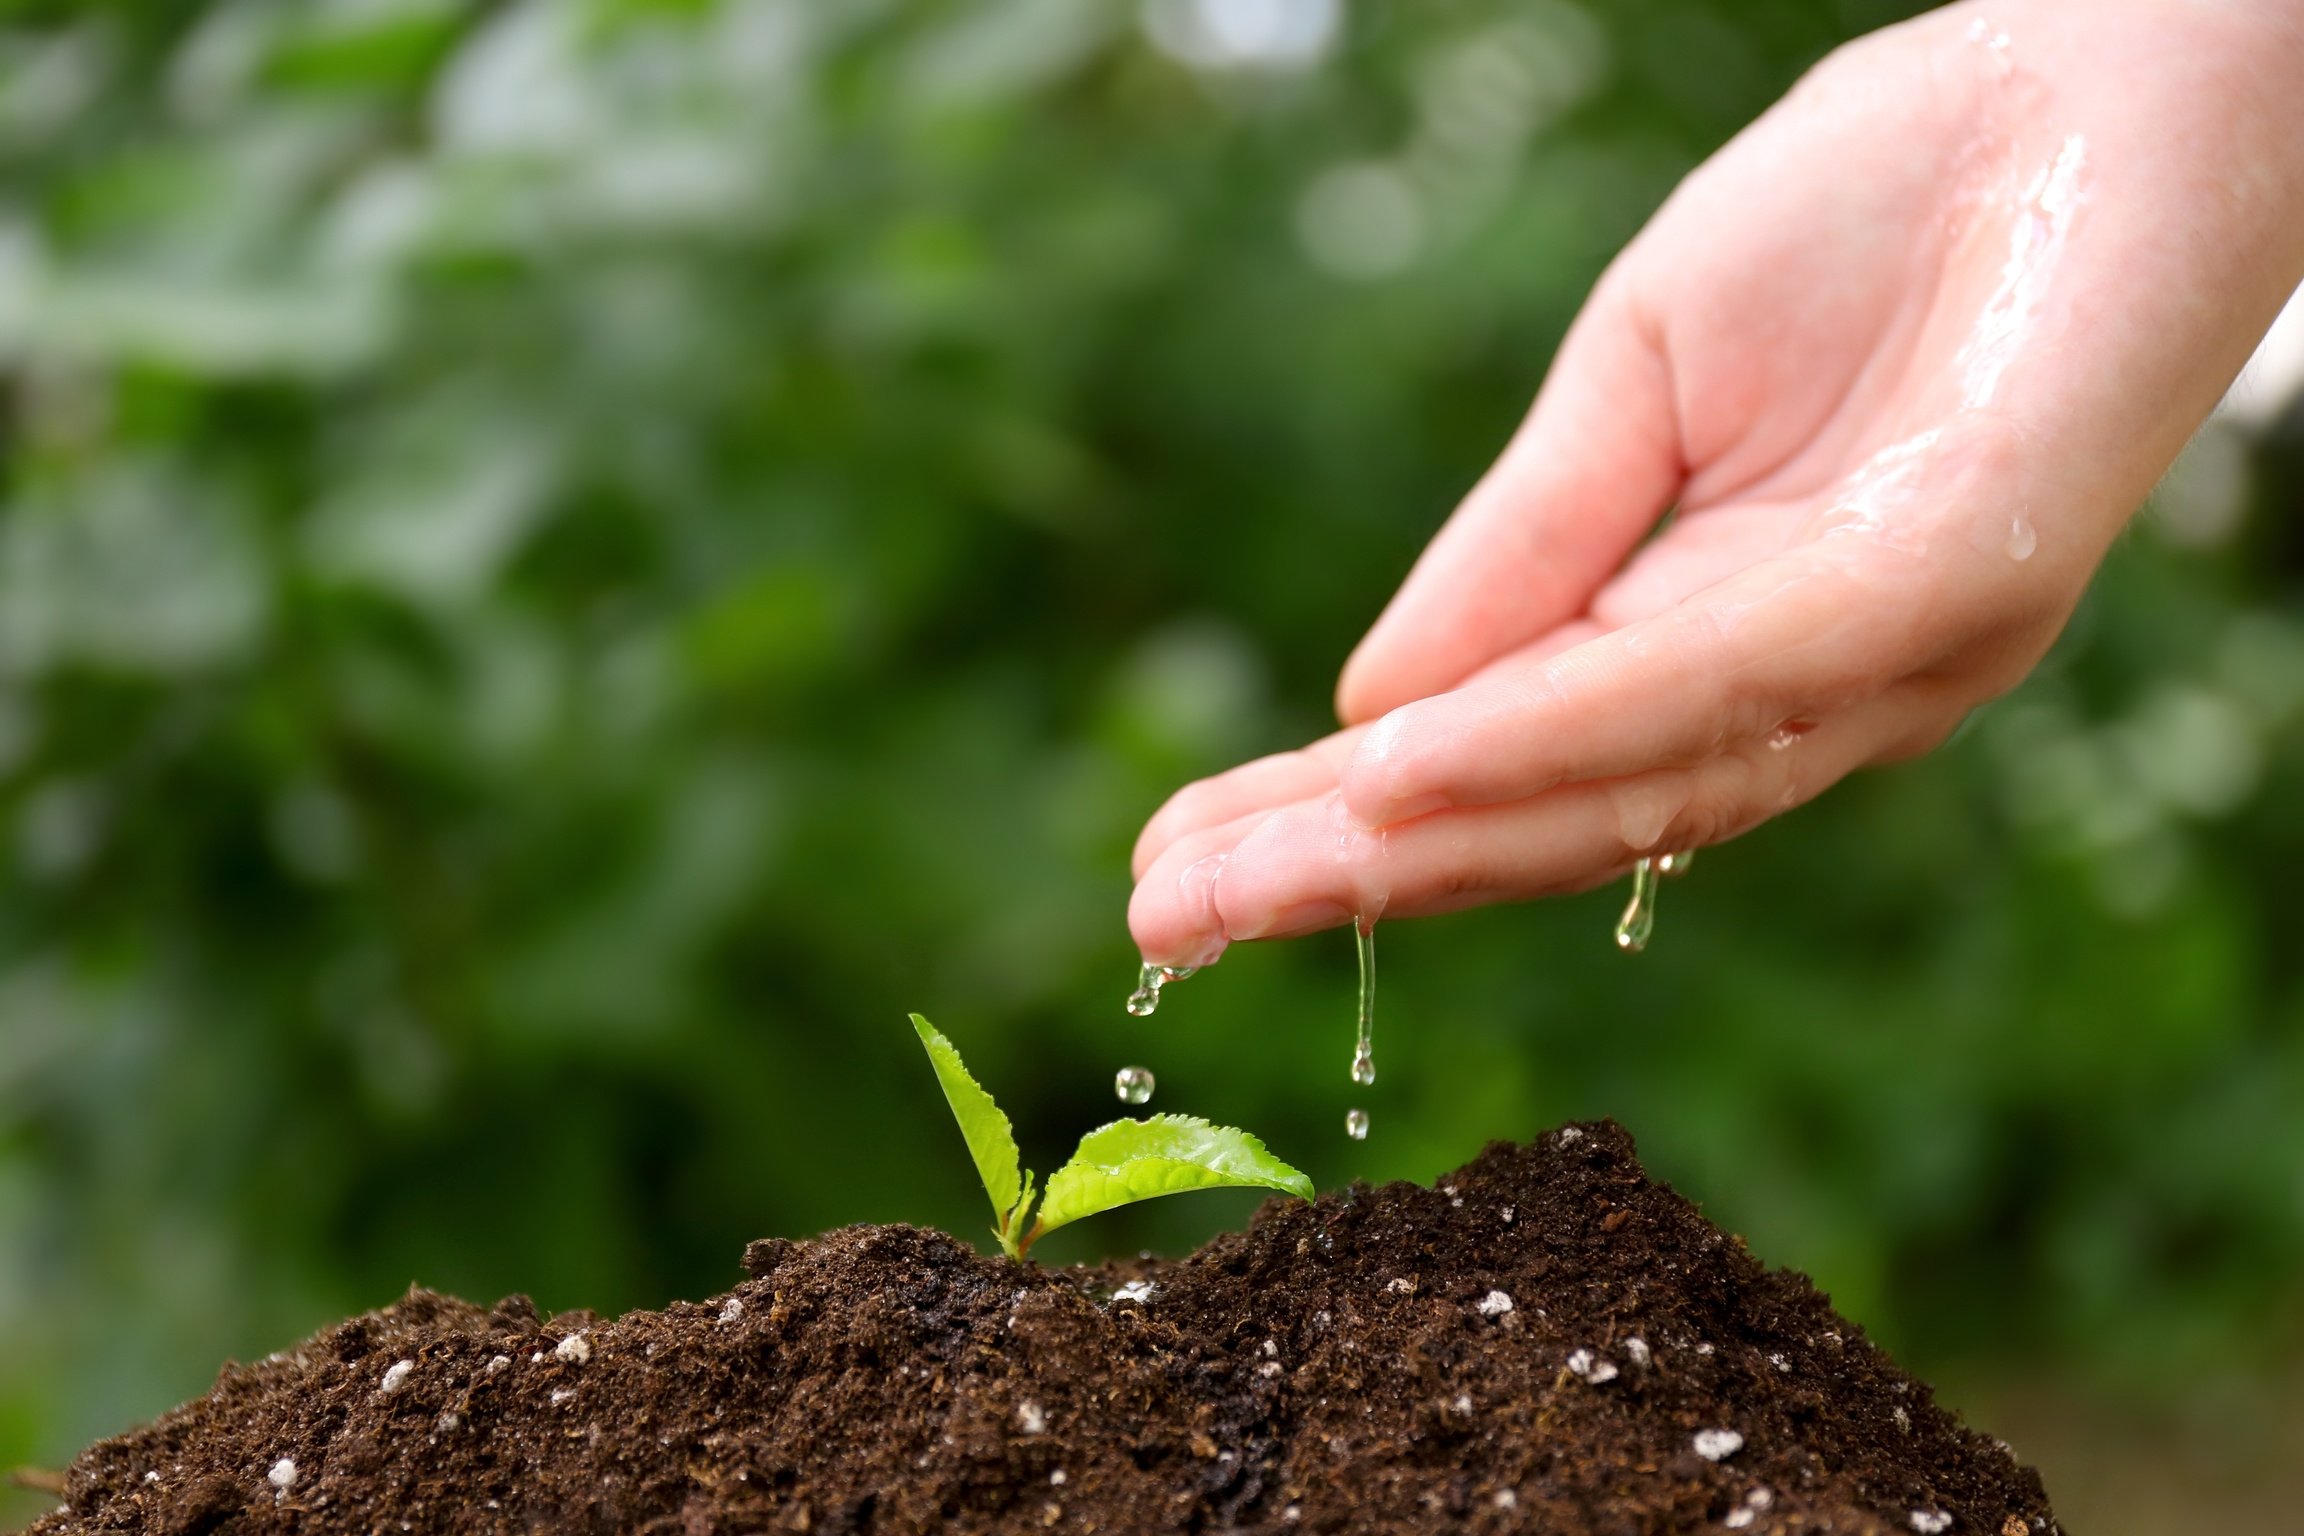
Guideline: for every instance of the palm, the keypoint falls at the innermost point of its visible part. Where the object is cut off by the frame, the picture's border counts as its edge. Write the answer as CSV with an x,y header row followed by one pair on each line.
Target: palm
x,y
1797,311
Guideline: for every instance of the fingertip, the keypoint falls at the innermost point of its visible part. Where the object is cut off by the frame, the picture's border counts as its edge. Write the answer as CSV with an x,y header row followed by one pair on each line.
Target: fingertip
x,y
1163,931
1172,913
1287,876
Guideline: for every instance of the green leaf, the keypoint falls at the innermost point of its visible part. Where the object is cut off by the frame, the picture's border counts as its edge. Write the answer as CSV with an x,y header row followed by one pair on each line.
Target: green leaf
x,y
1131,1160
991,1140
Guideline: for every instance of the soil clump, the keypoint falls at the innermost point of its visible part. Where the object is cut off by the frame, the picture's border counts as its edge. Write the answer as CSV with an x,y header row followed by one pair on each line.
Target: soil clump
x,y
1547,1341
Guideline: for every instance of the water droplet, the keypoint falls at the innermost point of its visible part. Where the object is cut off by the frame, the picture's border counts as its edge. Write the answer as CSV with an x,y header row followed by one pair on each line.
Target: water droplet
x,y
1145,1000
1789,732
1639,920
1134,1085
1364,1049
1676,863
2023,538
1356,1124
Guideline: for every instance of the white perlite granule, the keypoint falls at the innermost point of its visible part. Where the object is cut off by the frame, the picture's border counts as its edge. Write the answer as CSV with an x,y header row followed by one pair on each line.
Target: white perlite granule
x,y
396,1377
575,1347
1494,1304
1137,1291
282,1475
732,1309
1717,1444
1596,1369
1030,1419
1931,1522
1636,1351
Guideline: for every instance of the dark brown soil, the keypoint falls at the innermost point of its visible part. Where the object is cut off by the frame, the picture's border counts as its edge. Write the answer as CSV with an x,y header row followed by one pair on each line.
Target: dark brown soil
x,y
1547,1342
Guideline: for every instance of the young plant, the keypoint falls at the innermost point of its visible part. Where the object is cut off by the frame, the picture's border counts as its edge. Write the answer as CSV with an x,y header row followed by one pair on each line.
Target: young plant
x,y
1117,1164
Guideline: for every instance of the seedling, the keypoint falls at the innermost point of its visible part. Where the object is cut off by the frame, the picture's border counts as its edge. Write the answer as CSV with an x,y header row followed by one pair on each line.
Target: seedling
x,y
1117,1164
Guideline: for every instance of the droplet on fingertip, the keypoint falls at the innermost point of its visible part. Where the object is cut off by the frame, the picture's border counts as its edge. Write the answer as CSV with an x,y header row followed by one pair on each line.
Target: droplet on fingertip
x,y
2023,538
1145,1000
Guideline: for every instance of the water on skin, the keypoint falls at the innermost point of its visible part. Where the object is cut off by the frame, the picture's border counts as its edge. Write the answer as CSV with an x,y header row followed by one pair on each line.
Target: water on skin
x,y
1134,1085
1639,919
1356,1124
1676,863
2023,538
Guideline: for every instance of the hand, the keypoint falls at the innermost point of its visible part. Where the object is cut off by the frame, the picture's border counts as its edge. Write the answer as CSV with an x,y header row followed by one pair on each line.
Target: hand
x,y
1903,355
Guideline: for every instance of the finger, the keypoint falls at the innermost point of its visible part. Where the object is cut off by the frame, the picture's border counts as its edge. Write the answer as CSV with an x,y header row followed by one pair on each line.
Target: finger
x,y
1283,876
1566,638
1172,916
1271,782
1589,472
1805,634
1172,913
1260,785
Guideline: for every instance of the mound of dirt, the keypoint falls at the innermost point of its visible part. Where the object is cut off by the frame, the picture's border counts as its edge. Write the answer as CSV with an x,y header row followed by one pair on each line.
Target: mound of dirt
x,y
1547,1342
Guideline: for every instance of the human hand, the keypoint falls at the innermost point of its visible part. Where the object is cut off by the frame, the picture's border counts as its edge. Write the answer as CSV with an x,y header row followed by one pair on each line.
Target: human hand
x,y
1904,355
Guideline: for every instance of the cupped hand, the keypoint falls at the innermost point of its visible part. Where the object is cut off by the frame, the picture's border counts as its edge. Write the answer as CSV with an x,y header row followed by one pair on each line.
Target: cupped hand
x,y
1899,360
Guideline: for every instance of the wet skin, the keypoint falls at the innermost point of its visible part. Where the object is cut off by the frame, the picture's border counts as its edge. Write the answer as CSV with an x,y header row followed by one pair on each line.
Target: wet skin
x,y
1903,356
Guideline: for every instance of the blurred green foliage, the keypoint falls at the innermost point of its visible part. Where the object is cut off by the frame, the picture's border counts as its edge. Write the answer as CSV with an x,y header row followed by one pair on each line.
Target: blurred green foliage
x,y
563,565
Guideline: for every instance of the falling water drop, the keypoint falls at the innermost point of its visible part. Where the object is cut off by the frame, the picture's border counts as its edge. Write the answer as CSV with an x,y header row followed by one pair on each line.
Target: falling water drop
x,y
1639,919
2023,538
1356,1124
1364,1049
1134,1085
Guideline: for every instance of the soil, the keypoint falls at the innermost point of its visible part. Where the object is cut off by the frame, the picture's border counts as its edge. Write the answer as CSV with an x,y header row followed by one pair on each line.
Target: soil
x,y
1548,1341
